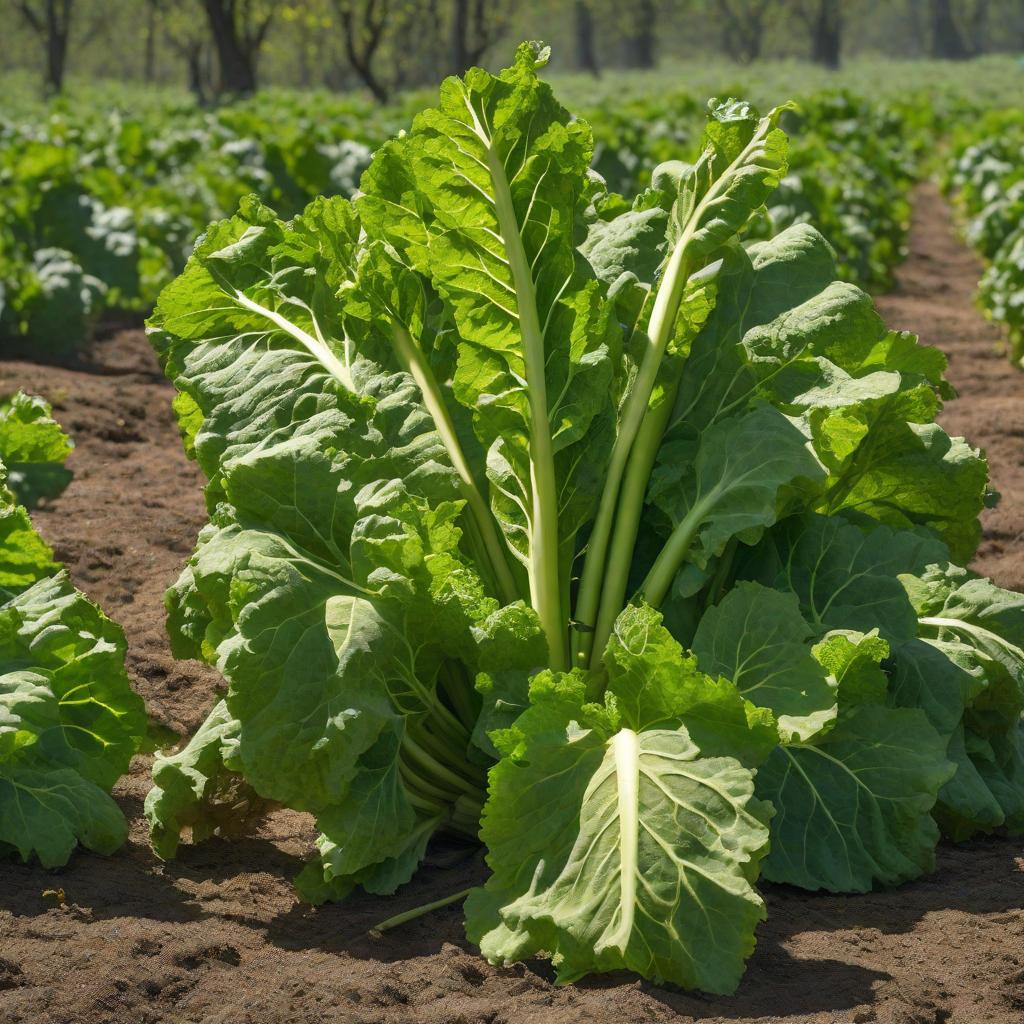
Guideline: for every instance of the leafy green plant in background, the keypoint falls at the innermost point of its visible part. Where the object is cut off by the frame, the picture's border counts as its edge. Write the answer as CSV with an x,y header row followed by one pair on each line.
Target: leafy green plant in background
x,y
69,721
101,207
100,212
33,448
986,177
573,522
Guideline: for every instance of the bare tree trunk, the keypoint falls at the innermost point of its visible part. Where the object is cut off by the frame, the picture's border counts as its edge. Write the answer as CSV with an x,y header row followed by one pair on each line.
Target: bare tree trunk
x,y
743,29
460,32
586,49
475,26
947,42
149,45
52,24
977,29
196,77
827,34
56,55
237,70
363,28
916,25
639,45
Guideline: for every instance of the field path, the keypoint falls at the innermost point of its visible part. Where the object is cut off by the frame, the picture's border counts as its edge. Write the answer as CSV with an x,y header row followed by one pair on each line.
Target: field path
x,y
217,936
935,299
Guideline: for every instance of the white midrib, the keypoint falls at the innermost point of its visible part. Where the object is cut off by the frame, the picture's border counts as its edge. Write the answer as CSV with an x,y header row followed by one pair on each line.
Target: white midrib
x,y
317,348
545,589
626,750
968,627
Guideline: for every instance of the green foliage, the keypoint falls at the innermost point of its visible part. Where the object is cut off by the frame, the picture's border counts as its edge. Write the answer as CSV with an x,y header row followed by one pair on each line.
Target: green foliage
x,y
69,721
574,522
101,209
33,448
986,176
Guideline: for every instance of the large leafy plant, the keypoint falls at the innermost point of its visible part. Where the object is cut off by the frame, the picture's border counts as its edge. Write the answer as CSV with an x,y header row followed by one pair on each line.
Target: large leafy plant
x,y
569,521
69,721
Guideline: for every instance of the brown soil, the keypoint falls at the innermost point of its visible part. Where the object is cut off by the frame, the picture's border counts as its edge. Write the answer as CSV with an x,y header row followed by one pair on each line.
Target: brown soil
x,y
217,935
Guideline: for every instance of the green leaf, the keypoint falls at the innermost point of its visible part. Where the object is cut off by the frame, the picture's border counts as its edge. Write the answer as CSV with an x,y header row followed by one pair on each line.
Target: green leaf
x,y
33,447
853,808
69,723
854,661
757,638
195,788
501,168
24,556
511,648
613,848
909,474
654,682
330,589
966,803
744,471
844,577
954,603
47,811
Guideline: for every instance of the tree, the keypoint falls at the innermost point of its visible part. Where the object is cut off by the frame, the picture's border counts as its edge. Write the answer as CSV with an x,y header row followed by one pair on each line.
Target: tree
x,y
51,21
153,11
363,23
824,18
239,29
977,25
475,26
583,29
744,27
638,39
947,42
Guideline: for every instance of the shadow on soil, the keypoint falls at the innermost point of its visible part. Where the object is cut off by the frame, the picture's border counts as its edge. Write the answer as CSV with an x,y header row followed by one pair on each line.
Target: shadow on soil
x,y
204,884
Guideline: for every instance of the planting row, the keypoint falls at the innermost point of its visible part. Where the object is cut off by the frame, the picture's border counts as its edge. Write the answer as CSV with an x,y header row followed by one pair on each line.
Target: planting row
x,y
986,174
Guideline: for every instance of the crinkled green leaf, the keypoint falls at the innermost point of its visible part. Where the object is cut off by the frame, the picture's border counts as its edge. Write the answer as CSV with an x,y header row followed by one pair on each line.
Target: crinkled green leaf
x,y
843,576
853,808
744,470
757,638
330,587
33,447
197,788
47,811
854,660
654,681
498,170
69,722
599,838
511,647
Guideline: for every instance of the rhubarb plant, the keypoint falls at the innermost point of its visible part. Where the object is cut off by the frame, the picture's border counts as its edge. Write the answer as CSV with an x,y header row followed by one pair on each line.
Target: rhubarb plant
x,y
582,527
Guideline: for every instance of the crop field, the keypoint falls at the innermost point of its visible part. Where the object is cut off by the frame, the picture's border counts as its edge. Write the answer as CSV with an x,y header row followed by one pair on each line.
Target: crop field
x,y
541,551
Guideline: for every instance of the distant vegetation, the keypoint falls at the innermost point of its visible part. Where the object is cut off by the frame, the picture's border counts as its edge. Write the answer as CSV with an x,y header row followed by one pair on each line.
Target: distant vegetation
x,y
229,47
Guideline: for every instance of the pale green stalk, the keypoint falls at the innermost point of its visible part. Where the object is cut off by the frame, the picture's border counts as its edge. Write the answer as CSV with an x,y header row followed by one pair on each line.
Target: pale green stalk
x,y
545,585
606,568
667,564
663,315
410,915
412,358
